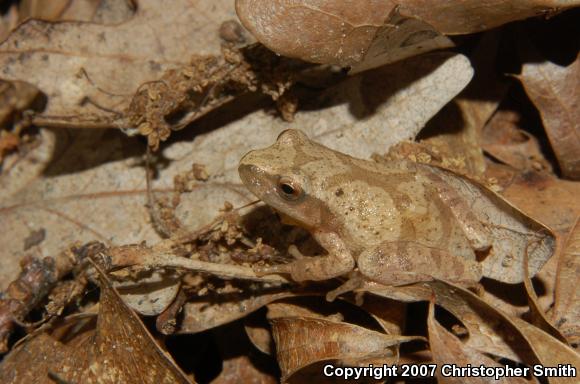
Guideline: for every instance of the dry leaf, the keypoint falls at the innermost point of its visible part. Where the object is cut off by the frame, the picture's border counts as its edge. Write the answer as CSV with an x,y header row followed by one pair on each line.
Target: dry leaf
x,y
455,133
368,113
209,312
72,206
119,350
545,198
301,341
551,352
90,72
538,316
398,38
550,200
35,359
96,201
100,11
373,32
365,36
310,307
390,314
414,96
321,32
453,17
448,349
150,295
490,331
506,142
109,190
261,332
554,91
77,193
567,296
513,234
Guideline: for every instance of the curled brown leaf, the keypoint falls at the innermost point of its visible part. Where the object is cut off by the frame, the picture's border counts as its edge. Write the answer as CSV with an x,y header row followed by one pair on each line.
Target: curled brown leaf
x,y
301,341
106,354
554,90
448,349
359,32
567,296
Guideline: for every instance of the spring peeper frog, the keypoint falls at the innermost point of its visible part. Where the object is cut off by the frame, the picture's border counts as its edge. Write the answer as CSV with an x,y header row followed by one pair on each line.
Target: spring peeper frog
x,y
397,222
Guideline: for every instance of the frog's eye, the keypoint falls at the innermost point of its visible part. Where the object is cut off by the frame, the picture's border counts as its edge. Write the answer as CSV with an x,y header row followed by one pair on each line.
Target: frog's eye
x,y
289,189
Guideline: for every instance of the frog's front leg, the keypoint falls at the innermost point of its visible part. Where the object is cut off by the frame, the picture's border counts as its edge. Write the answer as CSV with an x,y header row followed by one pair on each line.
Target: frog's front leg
x,y
406,262
339,261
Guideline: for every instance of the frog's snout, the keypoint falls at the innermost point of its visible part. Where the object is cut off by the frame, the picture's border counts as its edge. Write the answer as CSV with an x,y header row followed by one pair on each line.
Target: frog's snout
x,y
248,173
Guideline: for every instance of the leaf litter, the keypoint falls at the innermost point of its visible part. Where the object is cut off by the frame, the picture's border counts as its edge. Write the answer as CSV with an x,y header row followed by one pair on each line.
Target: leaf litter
x,y
177,236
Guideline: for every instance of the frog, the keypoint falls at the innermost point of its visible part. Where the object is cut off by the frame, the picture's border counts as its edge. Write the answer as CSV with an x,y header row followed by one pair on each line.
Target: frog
x,y
395,223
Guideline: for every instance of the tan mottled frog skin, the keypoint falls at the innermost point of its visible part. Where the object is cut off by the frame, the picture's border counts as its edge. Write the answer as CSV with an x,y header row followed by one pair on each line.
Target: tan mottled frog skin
x,y
398,222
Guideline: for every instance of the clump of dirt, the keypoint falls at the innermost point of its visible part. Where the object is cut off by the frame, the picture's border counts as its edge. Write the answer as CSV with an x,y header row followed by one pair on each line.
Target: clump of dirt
x,y
182,95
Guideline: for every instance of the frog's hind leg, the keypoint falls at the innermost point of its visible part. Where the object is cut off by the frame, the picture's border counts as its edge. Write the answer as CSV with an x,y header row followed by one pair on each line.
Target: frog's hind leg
x,y
405,262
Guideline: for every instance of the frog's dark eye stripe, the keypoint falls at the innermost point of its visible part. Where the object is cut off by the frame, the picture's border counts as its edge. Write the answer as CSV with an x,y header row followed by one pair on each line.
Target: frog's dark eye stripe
x,y
288,189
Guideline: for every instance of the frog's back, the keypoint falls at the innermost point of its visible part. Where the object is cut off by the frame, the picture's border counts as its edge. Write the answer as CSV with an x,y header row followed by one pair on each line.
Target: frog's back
x,y
390,202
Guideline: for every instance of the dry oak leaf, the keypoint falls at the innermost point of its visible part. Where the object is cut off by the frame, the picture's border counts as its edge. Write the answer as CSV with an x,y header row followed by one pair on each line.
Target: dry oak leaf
x,y
119,350
79,195
102,202
554,91
455,132
544,197
513,234
448,349
90,71
203,313
346,32
567,297
505,141
364,114
453,17
490,330
302,341
551,351
548,199
151,294
364,34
